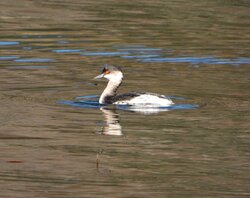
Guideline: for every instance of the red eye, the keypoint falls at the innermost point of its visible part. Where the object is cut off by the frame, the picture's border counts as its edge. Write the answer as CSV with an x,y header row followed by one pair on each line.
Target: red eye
x,y
107,72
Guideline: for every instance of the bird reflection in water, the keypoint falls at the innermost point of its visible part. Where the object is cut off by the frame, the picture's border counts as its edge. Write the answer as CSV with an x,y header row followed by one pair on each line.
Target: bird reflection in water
x,y
112,123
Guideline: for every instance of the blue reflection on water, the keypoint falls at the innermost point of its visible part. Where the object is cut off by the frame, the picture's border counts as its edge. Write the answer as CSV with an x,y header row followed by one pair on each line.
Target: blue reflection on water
x,y
66,50
82,102
93,104
7,58
146,54
87,97
104,53
3,43
198,60
37,60
141,56
139,52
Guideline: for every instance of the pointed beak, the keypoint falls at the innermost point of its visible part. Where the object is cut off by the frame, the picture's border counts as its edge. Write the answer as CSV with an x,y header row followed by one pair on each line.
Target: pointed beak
x,y
99,76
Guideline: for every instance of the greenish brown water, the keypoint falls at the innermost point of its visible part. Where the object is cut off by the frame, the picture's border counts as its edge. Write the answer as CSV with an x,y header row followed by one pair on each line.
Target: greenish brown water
x,y
51,50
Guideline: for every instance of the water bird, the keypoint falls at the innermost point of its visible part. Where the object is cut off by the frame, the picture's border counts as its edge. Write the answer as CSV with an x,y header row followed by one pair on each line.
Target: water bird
x,y
114,76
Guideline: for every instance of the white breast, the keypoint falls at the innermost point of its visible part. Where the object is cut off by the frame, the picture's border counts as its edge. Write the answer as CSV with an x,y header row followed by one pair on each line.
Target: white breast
x,y
147,100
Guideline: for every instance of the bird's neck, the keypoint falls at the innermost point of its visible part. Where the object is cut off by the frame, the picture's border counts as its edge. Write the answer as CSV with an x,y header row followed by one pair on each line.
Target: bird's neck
x,y
110,91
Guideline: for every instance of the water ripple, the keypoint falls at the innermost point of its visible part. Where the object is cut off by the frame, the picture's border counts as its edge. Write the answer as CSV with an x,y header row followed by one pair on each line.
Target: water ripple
x,y
198,60
82,102
140,56
7,58
141,49
36,60
28,67
4,43
104,53
66,50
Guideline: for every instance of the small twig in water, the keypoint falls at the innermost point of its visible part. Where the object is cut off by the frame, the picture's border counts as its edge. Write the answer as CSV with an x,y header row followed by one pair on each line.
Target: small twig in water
x,y
97,161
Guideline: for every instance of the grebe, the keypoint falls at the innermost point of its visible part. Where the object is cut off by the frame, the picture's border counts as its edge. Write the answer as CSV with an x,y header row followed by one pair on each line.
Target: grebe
x,y
109,96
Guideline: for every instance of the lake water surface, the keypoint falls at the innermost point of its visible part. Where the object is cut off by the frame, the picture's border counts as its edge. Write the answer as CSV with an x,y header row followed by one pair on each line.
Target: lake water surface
x,y
56,141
